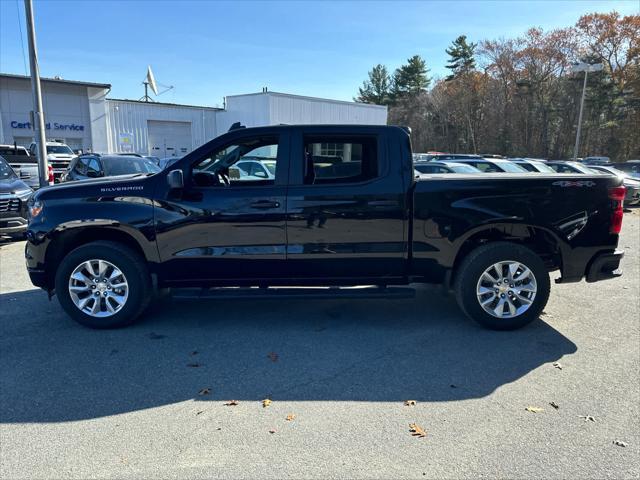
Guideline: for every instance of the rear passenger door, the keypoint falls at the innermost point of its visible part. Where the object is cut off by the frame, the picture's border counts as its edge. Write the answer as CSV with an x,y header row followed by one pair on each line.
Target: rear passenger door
x,y
346,208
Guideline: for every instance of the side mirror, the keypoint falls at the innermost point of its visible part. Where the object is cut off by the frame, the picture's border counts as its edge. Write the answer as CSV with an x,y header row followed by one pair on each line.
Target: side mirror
x,y
175,179
93,174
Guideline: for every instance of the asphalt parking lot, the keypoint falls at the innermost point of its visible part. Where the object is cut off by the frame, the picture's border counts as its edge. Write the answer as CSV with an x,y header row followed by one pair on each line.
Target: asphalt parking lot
x,y
150,400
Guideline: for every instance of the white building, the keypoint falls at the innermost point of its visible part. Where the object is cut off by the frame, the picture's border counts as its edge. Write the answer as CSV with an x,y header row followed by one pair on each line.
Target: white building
x,y
81,115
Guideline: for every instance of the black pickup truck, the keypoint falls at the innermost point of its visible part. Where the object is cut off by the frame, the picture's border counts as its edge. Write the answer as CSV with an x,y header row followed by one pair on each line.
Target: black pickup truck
x,y
334,206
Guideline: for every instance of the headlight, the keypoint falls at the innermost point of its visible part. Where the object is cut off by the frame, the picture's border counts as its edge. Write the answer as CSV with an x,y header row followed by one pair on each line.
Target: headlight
x,y
35,208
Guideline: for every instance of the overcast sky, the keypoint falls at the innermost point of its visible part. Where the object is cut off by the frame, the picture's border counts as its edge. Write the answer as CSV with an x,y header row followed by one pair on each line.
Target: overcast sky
x,y
211,49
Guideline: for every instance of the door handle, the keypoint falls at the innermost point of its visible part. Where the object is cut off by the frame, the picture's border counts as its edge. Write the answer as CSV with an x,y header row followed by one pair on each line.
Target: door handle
x,y
265,204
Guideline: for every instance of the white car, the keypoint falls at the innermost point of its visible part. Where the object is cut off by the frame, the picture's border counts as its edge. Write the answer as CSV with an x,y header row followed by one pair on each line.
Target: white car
x,y
249,169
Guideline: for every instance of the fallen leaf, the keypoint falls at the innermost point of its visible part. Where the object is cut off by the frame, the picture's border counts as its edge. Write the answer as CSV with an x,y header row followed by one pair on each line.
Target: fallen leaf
x,y
195,352
557,365
409,403
620,443
204,391
554,405
199,412
290,417
534,409
273,356
453,386
155,336
587,418
272,431
417,431
194,365
266,402
232,403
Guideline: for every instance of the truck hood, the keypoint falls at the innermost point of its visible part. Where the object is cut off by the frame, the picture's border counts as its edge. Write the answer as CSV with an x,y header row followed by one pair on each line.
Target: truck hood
x,y
11,185
133,184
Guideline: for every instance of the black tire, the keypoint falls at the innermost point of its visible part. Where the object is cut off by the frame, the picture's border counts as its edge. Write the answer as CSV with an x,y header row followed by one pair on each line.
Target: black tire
x,y
130,263
480,259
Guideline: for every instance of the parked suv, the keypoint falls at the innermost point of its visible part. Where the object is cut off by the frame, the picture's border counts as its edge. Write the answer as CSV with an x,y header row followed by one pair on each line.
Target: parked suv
x,y
14,194
94,165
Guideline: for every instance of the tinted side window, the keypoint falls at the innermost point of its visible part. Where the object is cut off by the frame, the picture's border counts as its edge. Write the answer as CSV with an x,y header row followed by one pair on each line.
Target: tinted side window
x,y
485,167
339,159
425,168
561,169
527,166
244,163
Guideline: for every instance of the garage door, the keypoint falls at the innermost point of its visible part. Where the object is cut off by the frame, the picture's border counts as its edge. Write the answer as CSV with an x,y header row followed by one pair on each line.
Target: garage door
x,y
169,139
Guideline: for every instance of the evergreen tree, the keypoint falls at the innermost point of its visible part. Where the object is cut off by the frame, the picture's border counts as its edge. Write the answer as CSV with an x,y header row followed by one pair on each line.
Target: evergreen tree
x,y
462,57
377,89
410,79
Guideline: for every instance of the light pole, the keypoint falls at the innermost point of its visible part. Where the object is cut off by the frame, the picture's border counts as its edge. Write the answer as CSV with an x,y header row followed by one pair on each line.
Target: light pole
x,y
586,68
38,114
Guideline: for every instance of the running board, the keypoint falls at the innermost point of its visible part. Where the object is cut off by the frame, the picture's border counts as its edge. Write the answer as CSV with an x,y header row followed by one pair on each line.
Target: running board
x,y
223,293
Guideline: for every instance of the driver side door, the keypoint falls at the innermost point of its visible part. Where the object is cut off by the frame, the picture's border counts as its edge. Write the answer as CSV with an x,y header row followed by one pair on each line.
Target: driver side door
x,y
228,232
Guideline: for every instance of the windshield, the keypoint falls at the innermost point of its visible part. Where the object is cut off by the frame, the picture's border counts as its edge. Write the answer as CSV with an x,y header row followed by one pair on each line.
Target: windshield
x,y
582,169
543,167
59,149
6,172
610,170
463,168
127,165
511,167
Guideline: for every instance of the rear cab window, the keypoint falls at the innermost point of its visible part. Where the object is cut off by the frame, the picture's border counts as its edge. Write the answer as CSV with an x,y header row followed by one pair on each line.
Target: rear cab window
x,y
339,159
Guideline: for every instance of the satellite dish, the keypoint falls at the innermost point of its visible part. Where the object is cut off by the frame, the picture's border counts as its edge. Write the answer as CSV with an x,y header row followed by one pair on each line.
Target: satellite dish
x,y
151,80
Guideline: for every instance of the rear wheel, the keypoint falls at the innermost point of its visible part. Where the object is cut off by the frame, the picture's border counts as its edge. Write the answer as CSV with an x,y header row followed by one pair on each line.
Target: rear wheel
x,y
103,285
502,286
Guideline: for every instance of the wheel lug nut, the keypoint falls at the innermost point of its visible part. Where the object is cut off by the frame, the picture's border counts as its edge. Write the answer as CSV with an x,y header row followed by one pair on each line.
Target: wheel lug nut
x,y
502,295
510,292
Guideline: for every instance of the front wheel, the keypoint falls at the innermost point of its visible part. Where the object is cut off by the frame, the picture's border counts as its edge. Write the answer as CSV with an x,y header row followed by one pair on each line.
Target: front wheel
x,y
103,285
502,286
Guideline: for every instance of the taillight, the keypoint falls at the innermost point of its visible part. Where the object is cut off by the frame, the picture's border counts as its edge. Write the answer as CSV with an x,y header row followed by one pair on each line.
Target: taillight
x,y
50,174
616,195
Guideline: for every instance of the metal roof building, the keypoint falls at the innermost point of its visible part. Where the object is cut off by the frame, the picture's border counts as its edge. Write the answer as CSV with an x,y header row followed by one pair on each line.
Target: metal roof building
x,y
82,115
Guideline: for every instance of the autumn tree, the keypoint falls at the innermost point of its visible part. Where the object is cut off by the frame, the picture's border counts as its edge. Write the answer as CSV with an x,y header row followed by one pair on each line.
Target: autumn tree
x,y
519,96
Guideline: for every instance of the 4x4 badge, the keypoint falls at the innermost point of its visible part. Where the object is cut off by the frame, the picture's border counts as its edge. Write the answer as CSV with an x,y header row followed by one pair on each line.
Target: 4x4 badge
x,y
573,183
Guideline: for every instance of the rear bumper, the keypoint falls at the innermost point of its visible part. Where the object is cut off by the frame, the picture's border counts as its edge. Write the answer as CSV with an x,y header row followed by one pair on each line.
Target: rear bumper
x,y
605,266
